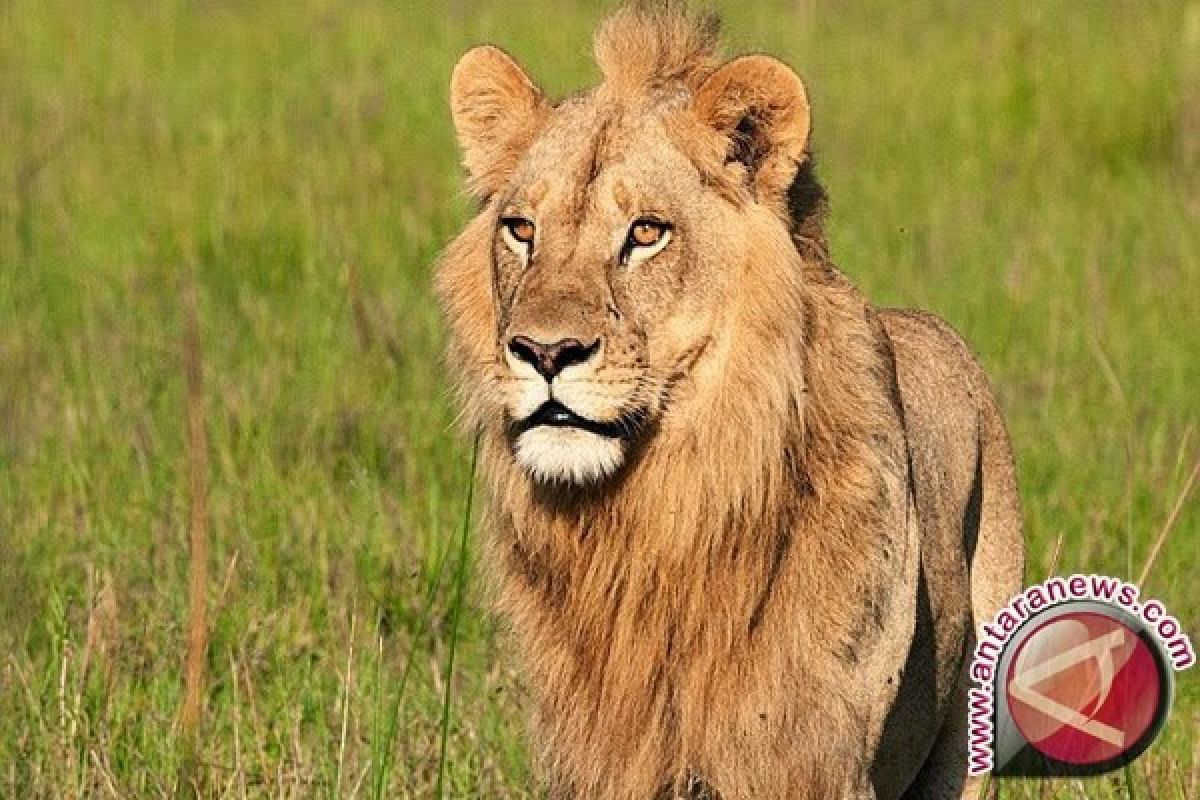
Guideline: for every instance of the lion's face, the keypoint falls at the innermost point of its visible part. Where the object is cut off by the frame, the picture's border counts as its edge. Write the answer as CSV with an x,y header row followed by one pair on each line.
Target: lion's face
x,y
604,296
613,254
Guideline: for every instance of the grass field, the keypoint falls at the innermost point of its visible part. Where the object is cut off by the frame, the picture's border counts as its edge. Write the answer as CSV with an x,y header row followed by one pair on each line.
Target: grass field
x,y
1031,172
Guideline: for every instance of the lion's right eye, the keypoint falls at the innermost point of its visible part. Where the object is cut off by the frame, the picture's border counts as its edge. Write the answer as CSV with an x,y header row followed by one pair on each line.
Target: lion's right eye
x,y
518,233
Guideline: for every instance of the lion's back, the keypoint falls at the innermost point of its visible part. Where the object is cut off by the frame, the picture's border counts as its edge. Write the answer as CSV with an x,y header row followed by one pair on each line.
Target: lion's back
x,y
962,459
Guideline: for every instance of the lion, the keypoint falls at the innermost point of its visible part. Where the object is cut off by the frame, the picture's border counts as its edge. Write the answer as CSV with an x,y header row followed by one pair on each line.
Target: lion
x,y
741,523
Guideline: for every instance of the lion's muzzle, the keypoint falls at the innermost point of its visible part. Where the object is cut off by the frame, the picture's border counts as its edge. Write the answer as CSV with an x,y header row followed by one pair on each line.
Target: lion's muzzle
x,y
551,359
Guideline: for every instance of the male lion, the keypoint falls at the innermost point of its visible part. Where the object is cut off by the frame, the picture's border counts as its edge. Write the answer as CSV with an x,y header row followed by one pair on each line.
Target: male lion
x,y
741,521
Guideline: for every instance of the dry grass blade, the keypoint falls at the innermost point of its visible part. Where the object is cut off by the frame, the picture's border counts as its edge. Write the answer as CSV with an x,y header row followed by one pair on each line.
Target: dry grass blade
x,y
236,707
102,632
197,446
105,773
347,688
1054,556
1169,524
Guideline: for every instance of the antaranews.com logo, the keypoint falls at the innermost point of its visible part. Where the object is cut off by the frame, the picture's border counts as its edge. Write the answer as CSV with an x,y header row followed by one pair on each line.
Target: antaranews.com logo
x,y
1072,678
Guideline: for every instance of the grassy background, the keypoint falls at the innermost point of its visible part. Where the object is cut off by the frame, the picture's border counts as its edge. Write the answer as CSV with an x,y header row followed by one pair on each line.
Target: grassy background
x,y
1029,171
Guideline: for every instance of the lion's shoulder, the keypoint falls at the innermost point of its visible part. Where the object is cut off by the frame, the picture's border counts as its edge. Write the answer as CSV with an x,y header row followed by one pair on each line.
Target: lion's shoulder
x,y
932,357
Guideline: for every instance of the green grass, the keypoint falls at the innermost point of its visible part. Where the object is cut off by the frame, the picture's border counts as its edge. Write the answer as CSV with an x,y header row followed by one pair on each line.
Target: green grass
x,y
1028,171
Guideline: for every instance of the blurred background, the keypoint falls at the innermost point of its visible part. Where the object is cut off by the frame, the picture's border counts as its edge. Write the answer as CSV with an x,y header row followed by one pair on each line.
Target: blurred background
x,y
1029,171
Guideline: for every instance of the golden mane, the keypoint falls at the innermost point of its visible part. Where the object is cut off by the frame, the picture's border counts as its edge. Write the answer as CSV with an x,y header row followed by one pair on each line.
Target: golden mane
x,y
692,560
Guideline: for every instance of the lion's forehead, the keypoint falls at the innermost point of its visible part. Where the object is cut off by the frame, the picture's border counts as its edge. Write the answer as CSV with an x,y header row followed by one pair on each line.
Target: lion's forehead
x,y
591,157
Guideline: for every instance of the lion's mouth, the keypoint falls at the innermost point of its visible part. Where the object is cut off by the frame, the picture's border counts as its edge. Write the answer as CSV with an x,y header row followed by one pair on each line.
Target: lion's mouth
x,y
553,414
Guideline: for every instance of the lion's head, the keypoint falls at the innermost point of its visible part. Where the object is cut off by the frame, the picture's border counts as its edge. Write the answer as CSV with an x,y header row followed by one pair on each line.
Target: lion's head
x,y
599,299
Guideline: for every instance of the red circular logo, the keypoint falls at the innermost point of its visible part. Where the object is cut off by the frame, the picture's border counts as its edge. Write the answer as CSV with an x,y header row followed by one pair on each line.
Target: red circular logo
x,y
1084,688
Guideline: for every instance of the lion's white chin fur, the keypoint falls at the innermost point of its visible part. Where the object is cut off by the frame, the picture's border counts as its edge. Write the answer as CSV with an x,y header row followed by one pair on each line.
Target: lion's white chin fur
x,y
568,455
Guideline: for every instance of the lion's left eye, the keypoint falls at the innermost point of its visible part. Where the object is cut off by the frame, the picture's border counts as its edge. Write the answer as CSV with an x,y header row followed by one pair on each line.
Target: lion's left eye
x,y
646,238
518,234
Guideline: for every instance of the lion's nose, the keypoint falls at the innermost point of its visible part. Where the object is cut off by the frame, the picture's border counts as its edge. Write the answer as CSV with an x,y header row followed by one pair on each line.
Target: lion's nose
x,y
551,359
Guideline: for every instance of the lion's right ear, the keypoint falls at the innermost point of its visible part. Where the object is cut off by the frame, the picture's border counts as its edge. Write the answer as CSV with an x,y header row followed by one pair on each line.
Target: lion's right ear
x,y
497,110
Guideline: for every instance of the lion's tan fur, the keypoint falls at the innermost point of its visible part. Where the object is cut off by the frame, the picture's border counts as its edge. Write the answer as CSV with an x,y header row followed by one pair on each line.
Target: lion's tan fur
x,y
732,612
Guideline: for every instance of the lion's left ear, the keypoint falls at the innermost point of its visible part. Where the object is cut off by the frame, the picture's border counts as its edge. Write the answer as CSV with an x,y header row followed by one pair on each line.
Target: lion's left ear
x,y
497,110
761,105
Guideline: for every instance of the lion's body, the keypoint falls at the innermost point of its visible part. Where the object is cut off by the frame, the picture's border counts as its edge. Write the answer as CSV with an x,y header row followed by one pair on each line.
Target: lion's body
x,y
770,592
971,543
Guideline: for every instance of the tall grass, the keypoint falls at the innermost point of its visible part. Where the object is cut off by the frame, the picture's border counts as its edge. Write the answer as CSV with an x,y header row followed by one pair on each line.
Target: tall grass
x,y
460,583
1027,171
197,619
